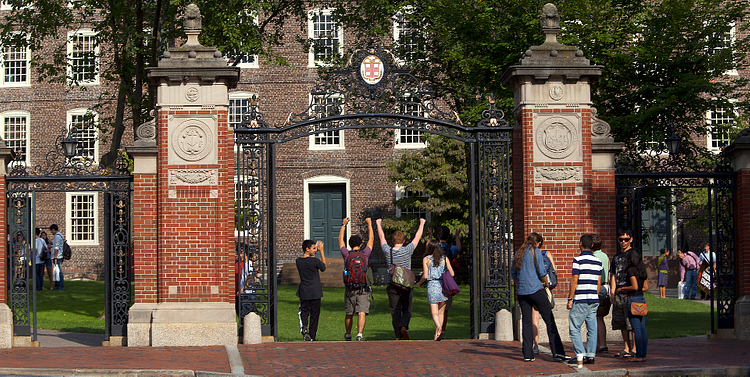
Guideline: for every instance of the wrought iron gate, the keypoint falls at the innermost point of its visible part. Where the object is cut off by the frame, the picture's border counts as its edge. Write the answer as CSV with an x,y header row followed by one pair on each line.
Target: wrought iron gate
x,y
373,93
655,170
61,174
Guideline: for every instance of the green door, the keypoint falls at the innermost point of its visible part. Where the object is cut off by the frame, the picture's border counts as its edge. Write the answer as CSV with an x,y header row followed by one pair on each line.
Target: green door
x,y
327,209
656,231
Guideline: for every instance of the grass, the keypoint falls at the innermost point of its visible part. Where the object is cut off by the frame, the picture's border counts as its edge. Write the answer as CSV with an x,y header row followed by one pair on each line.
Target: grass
x,y
378,325
673,318
78,308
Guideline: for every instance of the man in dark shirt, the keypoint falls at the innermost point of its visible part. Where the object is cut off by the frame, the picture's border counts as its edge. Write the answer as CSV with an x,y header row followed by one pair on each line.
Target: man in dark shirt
x,y
618,279
310,291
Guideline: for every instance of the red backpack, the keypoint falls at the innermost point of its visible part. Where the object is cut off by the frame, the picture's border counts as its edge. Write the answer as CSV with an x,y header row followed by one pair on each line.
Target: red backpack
x,y
355,269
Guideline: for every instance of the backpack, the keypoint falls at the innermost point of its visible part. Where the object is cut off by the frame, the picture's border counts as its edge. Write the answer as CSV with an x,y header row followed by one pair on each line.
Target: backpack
x,y
67,252
551,273
355,271
44,255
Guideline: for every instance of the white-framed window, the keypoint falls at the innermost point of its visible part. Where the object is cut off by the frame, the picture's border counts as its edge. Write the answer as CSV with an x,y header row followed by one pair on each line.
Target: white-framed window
x,y
247,19
408,35
8,5
15,132
15,66
326,35
410,105
239,103
720,121
81,218
83,57
725,41
82,124
402,193
325,106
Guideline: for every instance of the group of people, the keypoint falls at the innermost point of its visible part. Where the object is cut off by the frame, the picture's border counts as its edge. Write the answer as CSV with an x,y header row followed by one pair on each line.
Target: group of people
x,y
439,257
595,287
696,271
47,255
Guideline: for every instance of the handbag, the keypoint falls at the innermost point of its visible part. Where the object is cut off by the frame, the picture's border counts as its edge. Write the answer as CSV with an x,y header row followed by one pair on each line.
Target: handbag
x,y
450,288
638,308
401,277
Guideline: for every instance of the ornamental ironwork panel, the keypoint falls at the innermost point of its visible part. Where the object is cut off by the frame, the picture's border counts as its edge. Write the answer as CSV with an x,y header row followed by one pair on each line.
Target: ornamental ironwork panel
x,y
19,258
495,234
636,173
60,174
256,268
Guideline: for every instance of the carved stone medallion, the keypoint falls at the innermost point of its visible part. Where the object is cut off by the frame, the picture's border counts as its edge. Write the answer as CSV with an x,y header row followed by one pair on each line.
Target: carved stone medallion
x,y
192,140
192,94
556,92
557,138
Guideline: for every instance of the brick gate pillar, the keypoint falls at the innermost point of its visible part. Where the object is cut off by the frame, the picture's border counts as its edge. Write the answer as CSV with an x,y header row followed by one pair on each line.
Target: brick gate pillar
x,y
185,258
739,153
555,187
6,315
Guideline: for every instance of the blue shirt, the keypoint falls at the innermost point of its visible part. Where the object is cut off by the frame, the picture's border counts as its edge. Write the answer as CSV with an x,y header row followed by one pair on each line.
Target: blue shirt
x,y
528,278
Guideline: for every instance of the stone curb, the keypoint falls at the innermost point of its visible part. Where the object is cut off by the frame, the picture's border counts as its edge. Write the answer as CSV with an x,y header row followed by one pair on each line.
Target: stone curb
x,y
49,372
732,371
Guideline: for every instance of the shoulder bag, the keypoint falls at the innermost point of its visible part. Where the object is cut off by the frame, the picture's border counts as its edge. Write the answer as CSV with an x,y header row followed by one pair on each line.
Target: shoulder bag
x,y
450,288
401,277
550,296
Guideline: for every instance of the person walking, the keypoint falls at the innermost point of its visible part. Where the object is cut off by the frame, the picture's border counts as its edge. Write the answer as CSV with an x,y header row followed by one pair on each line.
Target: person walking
x,y
637,279
310,291
356,298
434,263
451,252
530,280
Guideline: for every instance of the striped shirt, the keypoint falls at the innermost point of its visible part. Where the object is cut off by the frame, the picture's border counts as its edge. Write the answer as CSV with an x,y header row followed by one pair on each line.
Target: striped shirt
x,y
401,256
589,270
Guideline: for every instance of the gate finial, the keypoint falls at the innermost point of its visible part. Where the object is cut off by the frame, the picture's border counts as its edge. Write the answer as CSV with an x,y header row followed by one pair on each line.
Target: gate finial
x,y
191,24
550,21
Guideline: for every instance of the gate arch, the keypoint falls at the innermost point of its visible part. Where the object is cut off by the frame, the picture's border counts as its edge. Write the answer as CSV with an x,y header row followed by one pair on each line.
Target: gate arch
x,y
371,92
61,174
655,169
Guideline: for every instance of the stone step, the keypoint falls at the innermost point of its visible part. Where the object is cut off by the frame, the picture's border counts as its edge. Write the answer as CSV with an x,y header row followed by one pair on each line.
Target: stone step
x,y
331,277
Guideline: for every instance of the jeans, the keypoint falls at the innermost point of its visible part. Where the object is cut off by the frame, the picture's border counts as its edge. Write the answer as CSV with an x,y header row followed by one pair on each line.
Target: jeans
x,y
39,275
400,302
639,329
691,284
60,285
580,313
538,299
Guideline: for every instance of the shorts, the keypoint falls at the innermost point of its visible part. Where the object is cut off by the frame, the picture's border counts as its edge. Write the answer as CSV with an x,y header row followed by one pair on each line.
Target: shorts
x,y
620,312
357,301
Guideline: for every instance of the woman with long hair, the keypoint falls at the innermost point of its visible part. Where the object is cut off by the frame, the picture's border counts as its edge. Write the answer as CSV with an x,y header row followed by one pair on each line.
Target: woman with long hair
x,y
636,272
434,264
530,279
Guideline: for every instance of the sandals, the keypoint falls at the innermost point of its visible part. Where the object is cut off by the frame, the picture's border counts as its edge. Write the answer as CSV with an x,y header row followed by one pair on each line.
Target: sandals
x,y
624,354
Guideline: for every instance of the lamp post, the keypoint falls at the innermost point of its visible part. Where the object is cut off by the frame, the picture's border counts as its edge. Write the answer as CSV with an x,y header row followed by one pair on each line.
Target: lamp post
x,y
673,143
70,144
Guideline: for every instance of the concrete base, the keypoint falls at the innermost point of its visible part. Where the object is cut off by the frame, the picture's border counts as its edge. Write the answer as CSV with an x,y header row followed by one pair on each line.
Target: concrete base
x,y
252,333
173,324
6,327
268,339
194,324
485,336
115,341
22,341
560,312
742,318
504,326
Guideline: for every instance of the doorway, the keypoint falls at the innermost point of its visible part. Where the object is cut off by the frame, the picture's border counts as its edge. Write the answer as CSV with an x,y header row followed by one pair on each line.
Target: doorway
x,y
327,208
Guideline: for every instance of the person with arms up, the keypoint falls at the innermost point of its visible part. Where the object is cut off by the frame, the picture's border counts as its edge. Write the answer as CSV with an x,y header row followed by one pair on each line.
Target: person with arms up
x,y
356,298
310,291
530,280
399,298
583,301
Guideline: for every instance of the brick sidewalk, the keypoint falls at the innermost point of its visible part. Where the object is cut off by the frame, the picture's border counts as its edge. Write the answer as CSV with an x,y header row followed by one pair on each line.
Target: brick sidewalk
x,y
404,358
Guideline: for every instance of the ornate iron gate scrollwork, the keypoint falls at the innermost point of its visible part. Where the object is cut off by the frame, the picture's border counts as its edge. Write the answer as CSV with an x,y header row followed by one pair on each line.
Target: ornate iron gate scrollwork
x,y
59,174
369,94
655,170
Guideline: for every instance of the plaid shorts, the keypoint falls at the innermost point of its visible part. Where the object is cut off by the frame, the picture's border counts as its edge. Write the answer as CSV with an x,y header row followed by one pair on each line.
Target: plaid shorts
x,y
620,310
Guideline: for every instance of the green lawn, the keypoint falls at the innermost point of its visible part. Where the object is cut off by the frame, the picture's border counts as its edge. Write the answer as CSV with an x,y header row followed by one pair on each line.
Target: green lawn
x,y
75,309
378,325
78,308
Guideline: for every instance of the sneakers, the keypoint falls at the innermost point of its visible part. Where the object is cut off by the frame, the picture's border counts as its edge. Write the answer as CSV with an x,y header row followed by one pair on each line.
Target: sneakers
x,y
529,360
306,334
561,357
348,337
586,360
359,337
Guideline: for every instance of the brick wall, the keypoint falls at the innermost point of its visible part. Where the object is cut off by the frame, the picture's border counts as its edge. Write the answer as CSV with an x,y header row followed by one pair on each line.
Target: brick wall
x,y
742,241
145,224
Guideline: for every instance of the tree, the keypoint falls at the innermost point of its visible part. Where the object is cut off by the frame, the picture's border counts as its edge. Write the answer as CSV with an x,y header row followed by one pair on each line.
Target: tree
x,y
130,36
665,62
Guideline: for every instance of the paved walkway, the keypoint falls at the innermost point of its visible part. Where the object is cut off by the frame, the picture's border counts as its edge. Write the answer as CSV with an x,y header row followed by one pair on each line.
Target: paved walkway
x,y
695,356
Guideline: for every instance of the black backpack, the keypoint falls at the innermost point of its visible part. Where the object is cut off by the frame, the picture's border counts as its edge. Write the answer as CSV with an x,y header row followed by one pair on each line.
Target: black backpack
x,y
355,271
67,252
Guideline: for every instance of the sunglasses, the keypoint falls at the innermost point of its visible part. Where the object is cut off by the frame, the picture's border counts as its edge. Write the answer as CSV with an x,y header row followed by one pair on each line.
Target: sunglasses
x,y
622,239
